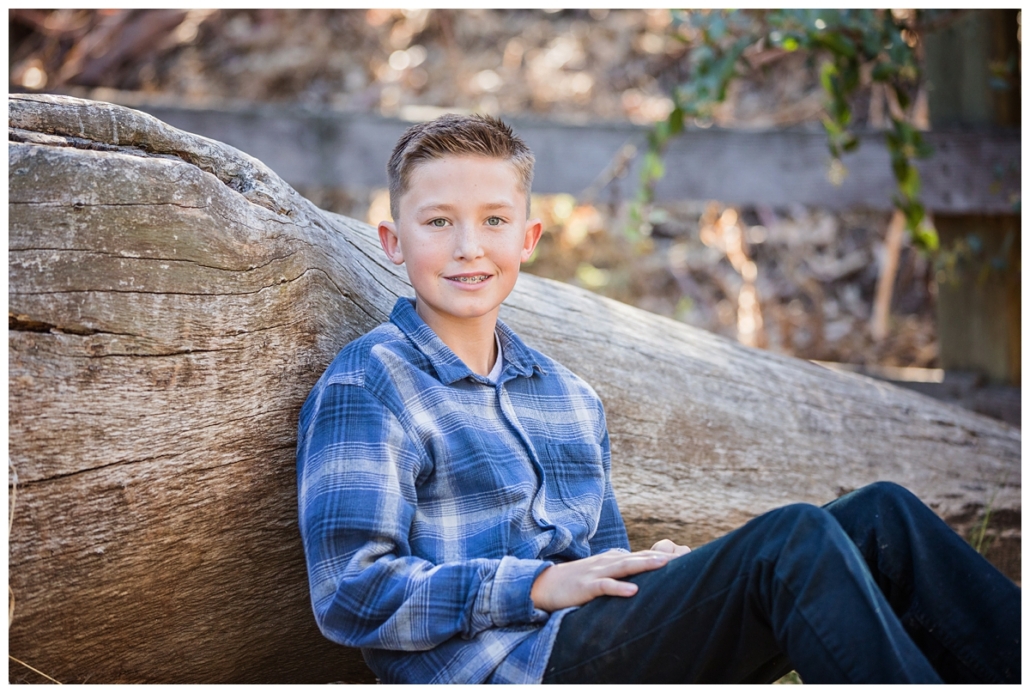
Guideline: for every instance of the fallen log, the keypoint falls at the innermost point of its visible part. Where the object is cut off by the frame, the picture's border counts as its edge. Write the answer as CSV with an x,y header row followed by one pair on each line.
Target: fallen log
x,y
171,303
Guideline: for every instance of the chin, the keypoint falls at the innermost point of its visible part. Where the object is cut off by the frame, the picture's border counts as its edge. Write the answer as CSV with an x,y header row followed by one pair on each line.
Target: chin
x,y
474,312
467,311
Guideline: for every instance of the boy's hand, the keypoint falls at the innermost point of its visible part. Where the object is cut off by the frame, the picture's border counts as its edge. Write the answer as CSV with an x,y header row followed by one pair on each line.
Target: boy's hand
x,y
668,546
577,582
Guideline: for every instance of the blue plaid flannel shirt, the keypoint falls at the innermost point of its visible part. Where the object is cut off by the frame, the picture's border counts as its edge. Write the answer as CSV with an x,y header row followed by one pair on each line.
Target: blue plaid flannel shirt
x,y
430,499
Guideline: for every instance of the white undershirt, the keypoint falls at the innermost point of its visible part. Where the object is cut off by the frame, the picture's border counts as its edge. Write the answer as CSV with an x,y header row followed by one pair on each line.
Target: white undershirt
x,y
495,372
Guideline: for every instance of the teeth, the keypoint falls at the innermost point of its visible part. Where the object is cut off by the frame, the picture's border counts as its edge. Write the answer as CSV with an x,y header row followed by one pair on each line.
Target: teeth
x,y
472,280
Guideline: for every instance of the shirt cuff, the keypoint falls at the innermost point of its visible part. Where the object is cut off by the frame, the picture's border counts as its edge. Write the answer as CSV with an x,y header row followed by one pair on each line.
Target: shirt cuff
x,y
507,600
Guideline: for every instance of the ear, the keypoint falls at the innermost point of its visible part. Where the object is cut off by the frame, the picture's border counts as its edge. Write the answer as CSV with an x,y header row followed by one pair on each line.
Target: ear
x,y
534,227
390,242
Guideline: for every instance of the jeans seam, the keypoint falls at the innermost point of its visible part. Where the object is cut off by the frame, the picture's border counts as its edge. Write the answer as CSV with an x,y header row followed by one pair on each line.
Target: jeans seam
x,y
933,629
936,632
829,657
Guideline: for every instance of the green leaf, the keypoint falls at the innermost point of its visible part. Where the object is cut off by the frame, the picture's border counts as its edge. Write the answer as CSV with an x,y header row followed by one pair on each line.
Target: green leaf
x,y
717,26
827,76
653,166
833,128
903,99
863,21
850,76
904,133
676,121
923,149
872,42
659,134
849,38
915,213
883,72
728,69
900,166
836,43
843,113
899,52
908,183
701,56
925,237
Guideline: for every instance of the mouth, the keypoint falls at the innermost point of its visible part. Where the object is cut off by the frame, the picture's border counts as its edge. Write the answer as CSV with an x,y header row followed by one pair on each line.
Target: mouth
x,y
469,278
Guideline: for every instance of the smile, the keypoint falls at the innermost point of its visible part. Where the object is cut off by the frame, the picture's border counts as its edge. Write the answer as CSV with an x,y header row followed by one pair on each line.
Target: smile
x,y
470,279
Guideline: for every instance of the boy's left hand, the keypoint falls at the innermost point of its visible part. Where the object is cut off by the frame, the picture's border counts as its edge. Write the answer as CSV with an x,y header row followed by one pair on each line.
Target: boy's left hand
x,y
669,546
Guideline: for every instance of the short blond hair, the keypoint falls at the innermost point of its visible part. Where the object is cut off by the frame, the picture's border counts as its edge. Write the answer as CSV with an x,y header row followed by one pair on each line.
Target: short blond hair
x,y
456,135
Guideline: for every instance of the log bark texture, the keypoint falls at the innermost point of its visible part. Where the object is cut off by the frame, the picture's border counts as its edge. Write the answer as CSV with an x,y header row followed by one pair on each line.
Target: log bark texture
x,y
171,303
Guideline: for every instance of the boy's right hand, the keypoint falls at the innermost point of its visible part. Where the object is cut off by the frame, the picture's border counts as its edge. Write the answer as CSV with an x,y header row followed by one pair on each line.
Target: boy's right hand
x,y
577,582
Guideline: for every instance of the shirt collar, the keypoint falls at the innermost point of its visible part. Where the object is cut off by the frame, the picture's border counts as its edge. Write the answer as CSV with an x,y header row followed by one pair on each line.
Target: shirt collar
x,y
518,358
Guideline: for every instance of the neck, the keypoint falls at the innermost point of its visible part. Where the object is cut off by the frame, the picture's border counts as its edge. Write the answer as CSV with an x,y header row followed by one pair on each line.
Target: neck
x,y
471,339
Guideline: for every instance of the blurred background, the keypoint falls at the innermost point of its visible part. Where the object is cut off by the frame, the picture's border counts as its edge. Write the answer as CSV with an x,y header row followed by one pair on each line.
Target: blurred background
x,y
739,171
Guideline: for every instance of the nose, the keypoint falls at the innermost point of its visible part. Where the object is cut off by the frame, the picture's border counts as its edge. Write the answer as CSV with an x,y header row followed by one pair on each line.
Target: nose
x,y
468,245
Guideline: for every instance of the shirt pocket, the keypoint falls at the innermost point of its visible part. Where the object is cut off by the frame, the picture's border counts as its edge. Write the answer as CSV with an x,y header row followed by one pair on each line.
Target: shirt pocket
x,y
578,473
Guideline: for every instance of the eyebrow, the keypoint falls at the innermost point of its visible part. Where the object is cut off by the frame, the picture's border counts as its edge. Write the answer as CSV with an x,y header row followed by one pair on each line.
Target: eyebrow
x,y
447,207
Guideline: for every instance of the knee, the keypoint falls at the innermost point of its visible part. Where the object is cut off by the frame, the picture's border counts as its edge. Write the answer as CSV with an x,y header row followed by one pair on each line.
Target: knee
x,y
802,532
804,518
886,493
879,509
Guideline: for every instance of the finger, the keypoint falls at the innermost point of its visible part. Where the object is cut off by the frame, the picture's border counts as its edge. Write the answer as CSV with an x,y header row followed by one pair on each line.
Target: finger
x,y
682,550
616,588
665,546
610,558
631,564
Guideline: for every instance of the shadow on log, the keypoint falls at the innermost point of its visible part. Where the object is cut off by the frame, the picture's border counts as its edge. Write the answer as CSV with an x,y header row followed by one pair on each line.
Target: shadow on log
x,y
172,302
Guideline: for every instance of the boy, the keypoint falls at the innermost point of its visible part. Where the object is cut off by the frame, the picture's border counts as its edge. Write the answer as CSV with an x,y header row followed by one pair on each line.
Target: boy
x,y
459,522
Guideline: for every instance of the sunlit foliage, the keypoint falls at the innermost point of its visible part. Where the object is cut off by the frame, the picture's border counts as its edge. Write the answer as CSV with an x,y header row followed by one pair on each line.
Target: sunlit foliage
x,y
879,44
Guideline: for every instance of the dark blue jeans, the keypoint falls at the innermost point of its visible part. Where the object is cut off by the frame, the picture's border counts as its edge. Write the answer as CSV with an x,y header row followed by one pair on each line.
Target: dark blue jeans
x,y
873,587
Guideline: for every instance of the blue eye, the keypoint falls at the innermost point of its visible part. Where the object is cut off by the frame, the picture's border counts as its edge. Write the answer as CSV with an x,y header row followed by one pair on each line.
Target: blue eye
x,y
438,223
494,221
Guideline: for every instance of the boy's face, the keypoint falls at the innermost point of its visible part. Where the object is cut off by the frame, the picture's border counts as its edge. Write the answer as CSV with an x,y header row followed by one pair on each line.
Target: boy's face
x,y
462,232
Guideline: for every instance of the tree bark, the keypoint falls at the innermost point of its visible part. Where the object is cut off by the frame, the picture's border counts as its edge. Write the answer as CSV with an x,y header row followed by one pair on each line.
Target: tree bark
x,y
171,303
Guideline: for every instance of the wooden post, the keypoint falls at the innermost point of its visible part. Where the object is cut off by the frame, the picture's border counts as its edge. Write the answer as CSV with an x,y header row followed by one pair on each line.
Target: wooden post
x,y
972,67
978,301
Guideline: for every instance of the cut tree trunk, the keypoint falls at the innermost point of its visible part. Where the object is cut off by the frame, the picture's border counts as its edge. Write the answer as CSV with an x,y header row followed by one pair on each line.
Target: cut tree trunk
x,y
171,303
